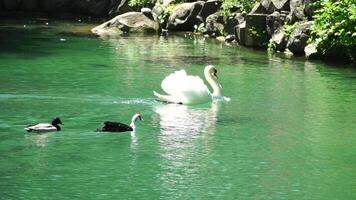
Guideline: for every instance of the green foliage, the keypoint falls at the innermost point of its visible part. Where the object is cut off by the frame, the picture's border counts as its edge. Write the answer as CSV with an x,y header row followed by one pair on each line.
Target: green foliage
x,y
335,25
164,13
142,3
288,29
230,6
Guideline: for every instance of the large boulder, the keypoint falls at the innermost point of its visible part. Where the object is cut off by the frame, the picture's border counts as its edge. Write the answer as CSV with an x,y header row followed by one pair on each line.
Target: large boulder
x,y
296,11
232,21
258,9
274,22
185,16
299,37
279,41
12,4
214,25
209,7
281,5
126,23
311,51
270,6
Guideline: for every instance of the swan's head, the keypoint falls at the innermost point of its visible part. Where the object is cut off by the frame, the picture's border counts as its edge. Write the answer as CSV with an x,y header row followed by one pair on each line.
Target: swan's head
x,y
211,70
134,120
56,121
137,117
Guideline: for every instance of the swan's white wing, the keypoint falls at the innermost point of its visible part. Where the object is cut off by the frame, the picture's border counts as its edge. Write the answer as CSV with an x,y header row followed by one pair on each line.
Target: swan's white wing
x,y
179,83
186,89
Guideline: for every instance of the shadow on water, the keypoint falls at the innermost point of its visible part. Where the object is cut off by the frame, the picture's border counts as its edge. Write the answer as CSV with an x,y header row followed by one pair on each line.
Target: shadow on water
x,y
185,59
24,41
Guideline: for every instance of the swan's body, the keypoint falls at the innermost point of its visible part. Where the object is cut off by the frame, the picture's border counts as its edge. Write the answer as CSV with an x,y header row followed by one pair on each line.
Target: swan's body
x,y
45,127
120,127
184,89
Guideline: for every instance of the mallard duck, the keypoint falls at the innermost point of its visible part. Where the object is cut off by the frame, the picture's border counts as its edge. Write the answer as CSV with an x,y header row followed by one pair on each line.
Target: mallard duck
x,y
45,127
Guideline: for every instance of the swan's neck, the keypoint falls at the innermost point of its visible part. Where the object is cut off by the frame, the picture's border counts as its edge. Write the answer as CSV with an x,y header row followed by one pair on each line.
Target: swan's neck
x,y
133,126
213,82
133,121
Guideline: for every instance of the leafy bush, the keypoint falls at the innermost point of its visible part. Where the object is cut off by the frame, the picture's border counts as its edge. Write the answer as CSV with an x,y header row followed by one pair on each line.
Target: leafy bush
x,y
142,3
335,25
230,6
164,14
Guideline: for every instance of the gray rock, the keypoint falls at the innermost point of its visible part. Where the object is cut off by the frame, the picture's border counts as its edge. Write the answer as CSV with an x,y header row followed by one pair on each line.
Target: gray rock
x,y
311,51
147,12
209,7
258,9
215,25
269,6
274,22
230,38
281,4
279,40
185,16
296,11
240,17
125,23
12,4
299,37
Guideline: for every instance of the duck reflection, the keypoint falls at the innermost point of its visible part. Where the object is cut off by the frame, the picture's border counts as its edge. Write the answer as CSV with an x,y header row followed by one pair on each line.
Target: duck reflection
x,y
39,140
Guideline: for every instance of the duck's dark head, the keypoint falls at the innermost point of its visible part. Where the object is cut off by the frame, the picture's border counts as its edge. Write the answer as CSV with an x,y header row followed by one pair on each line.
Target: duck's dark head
x,y
56,121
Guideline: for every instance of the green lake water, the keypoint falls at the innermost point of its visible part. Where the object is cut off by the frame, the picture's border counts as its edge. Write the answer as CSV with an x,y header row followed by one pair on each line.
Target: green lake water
x,y
289,131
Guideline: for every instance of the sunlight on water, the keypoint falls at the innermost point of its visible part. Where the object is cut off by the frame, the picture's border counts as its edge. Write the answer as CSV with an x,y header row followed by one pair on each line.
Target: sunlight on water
x,y
287,133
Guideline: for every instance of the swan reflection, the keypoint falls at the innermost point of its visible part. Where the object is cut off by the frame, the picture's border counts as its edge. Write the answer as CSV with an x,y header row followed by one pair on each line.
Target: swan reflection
x,y
180,125
185,134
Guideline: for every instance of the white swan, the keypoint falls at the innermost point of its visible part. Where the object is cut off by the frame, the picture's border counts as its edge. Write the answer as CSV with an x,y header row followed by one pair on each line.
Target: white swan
x,y
184,89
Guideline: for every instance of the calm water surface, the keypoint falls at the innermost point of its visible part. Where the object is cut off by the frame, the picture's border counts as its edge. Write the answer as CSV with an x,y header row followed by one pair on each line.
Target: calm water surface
x,y
289,131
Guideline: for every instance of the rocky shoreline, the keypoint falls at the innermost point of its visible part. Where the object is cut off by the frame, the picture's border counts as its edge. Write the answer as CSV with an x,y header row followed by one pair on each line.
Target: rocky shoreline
x,y
277,25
